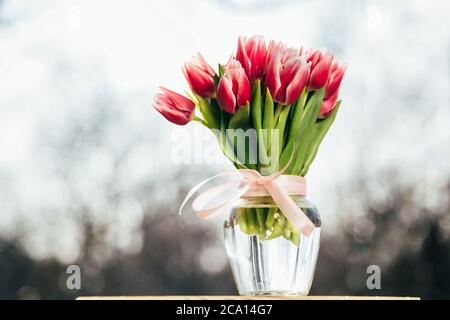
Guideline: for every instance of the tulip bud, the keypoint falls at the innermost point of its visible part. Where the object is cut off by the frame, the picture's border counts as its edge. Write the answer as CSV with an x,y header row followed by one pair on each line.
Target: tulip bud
x,y
174,107
234,88
328,105
286,75
320,68
337,73
200,76
251,53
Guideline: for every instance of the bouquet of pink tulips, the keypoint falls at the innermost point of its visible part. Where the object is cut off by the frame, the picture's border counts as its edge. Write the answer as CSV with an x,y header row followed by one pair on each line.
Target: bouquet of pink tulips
x,y
287,98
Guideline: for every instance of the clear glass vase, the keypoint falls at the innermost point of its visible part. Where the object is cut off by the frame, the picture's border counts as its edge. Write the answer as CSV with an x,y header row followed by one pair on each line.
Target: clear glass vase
x,y
267,255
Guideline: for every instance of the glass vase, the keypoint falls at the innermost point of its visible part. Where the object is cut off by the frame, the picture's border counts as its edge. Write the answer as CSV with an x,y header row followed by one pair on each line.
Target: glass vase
x,y
267,254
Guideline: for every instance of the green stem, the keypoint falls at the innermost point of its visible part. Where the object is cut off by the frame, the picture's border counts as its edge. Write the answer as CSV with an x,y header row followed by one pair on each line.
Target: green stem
x,y
209,111
252,222
281,125
287,230
268,119
278,110
261,215
201,121
278,227
295,236
242,218
297,116
271,218
257,117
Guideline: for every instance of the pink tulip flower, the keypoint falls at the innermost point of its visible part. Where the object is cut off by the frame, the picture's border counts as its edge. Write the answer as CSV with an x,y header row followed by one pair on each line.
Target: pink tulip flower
x,y
320,68
200,76
174,107
286,75
328,105
234,88
251,53
337,73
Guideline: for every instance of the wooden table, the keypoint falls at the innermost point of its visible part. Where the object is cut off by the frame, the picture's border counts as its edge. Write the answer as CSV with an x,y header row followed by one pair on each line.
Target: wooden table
x,y
247,298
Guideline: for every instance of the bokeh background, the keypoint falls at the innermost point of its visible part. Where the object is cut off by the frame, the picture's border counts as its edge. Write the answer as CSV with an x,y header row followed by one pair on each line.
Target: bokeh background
x,y
88,176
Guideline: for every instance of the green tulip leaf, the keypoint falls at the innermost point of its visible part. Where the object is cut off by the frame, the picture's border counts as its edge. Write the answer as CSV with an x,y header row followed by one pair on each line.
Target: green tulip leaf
x,y
297,113
257,116
209,111
268,112
304,135
320,130
306,132
241,119
256,106
219,75
221,70
224,142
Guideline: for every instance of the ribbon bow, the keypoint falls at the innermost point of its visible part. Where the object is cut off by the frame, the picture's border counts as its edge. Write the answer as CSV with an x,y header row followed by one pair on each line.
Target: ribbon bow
x,y
253,184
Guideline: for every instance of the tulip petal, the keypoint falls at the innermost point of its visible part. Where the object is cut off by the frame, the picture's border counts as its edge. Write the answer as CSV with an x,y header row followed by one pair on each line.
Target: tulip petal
x,y
256,51
242,56
273,49
244,90
173,106
298,84
172,115
328,105
225,95
199,80
320,74
180,101
273,75
335,81
200,76
205,66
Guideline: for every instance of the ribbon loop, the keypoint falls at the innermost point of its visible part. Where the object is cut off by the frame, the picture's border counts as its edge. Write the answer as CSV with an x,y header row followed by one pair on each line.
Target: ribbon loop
x,y
252,184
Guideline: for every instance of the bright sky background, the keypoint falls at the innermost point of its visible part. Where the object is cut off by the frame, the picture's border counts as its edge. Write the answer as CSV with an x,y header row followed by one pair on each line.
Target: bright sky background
x,y
67,65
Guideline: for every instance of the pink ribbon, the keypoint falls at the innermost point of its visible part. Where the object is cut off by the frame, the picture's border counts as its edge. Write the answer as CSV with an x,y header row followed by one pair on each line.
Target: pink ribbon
x,y
253,184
